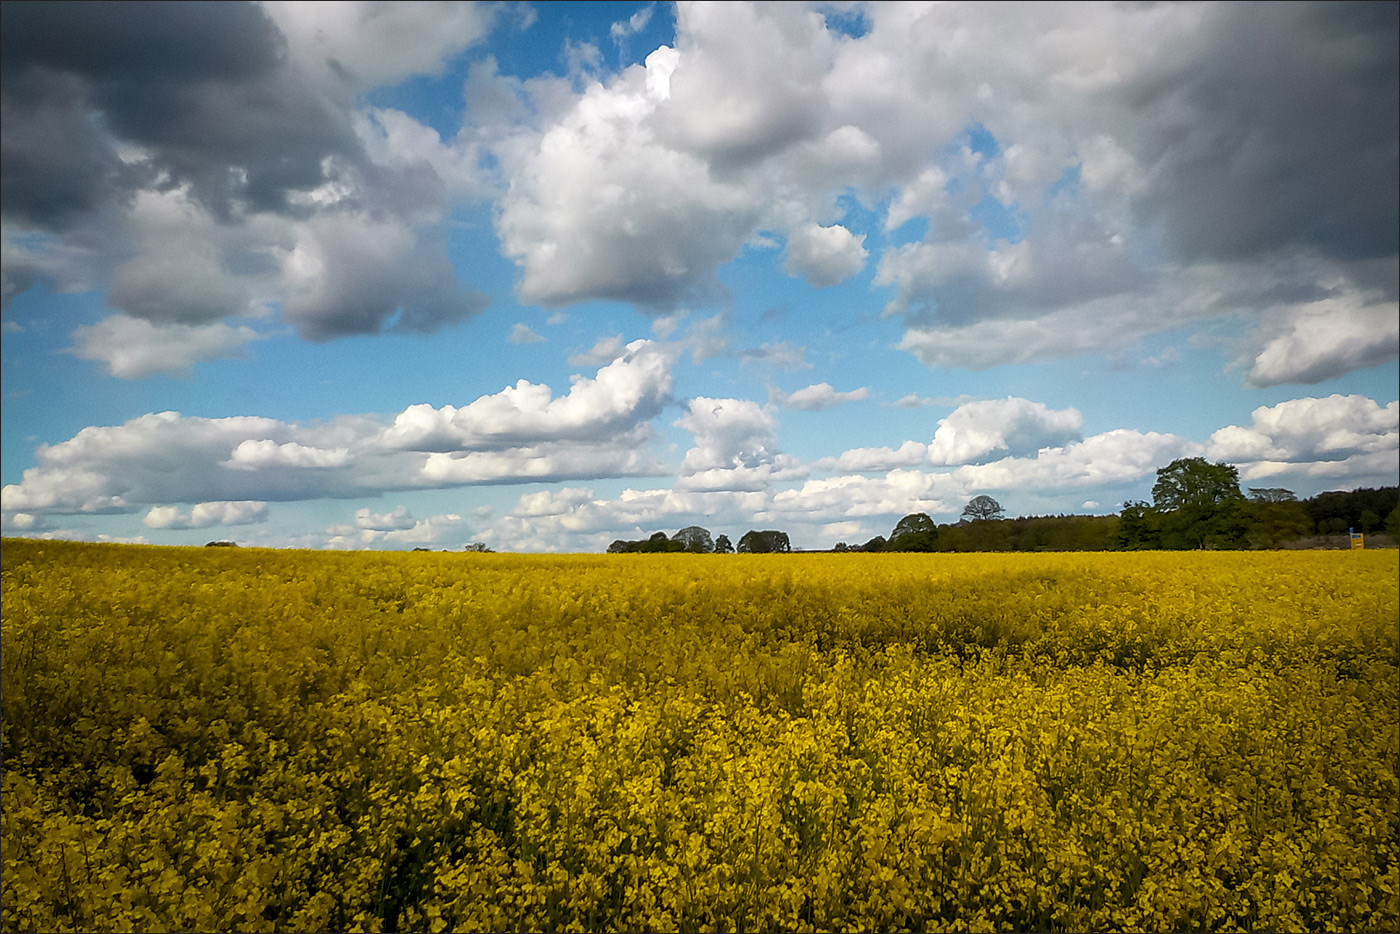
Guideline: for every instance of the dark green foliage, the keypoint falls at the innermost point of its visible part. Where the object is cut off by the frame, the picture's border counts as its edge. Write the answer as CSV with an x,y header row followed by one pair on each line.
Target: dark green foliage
x,y
1195,483
1270,522
757,543
1199,504
915,532
658,543
723,546
694,539
1208,515
1335,512
1139,527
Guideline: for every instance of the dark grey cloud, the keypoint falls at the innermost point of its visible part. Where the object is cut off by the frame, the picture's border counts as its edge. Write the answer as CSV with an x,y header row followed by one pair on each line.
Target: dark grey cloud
x,y
371,273
55,165
108,104
1278,131
139,40
203,89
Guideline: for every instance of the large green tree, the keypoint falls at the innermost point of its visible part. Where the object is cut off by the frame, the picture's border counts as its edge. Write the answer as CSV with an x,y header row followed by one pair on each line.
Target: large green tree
x,y
769,540
1195,482
695,539
1139,526
915,532
1199,503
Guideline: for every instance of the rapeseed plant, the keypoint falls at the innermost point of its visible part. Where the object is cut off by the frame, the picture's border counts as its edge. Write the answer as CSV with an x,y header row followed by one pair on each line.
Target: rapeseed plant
x,y
254,740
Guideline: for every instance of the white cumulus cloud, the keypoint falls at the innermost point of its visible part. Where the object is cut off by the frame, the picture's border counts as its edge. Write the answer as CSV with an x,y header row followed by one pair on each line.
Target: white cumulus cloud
x,y
818,396
977,431
1311,430
1323,339
133,348
825,256
204,515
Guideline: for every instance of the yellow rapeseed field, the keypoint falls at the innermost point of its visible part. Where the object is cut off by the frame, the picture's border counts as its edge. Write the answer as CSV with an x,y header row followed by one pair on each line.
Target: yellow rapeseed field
x,y
248,740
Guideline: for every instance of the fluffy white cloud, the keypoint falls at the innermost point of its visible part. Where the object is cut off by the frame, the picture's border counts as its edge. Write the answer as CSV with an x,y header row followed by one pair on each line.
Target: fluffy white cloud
x,y
1311,430
625,393
726,51
22,522
594,210
1110,467
259,455
397,527
134,349
599,429
1109,460
897,493
864,460
728,433
397,520
817,396
825,256
735,447
352,47
1321,339
204,515
573,460
976,430
551,502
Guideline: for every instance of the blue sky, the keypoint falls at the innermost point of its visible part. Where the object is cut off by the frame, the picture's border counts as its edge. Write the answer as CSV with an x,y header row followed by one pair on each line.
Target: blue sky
x,y
547,275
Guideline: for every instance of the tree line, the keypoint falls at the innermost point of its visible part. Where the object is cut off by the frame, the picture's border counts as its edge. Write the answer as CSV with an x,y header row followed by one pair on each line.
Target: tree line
x,y
1195,504
696,540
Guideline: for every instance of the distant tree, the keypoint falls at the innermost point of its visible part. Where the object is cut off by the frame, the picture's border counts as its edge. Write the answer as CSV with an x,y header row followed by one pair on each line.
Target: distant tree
x,y
982,507
1139,526
979,535
1337,511
1200,504
915,532
658,542
877,543
723,546
1195,482
1271,495
221,544
841,546
695,539
757,543
1269,523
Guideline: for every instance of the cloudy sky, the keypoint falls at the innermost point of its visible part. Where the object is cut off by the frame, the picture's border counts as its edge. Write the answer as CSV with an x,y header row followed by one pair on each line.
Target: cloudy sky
x,y
361,275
